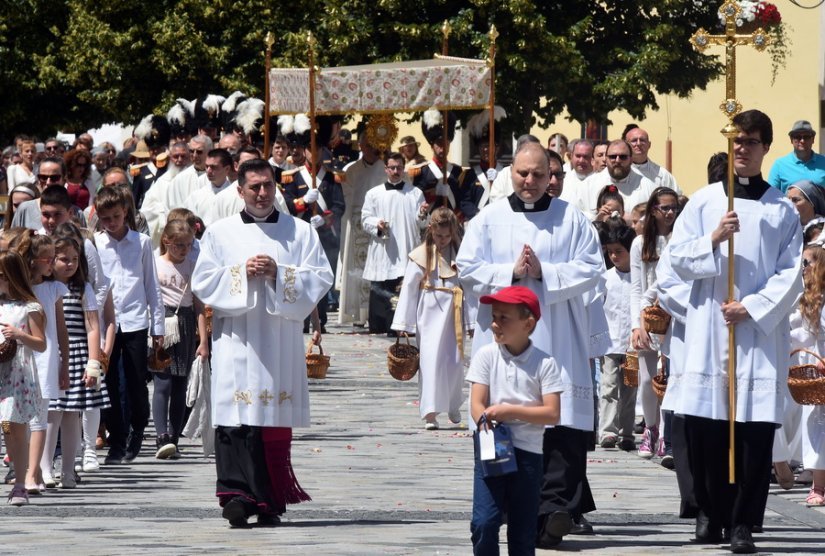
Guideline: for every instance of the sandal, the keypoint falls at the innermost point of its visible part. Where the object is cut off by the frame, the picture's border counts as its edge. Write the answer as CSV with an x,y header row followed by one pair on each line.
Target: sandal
x,y
816,497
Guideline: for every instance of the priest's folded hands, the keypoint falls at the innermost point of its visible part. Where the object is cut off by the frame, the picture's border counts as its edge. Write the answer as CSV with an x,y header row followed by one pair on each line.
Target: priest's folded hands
x,y
527,265
261,265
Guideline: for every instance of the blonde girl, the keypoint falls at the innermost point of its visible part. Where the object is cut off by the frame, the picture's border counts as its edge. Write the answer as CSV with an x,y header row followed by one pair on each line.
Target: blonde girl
x,y
21,321
87,388
175,266
431,304
808,332
52,370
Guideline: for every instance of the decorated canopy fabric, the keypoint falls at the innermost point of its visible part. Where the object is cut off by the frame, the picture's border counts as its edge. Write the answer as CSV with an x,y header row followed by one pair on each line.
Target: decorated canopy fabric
x,y
444,83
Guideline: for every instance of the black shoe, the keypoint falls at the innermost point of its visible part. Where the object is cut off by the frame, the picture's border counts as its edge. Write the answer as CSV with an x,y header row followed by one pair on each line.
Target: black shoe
x,y
639,427
552,528
268,520
392,334
133,446
627,445
667,460
705,532
756,529
741,541
114,457
10,477
581,527
235,513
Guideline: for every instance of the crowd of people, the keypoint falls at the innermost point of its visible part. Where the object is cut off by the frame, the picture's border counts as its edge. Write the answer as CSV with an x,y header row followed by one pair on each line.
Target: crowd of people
x,y
187,251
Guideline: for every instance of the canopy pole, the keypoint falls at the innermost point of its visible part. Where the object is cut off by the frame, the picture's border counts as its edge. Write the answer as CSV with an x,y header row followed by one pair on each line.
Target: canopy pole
x,y
269,40
313,147
445,48
492,154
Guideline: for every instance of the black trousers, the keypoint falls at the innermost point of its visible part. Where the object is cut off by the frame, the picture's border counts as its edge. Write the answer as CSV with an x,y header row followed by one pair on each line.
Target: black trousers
x,y
381,312
684,476
131,348
240,461
742,503
564,486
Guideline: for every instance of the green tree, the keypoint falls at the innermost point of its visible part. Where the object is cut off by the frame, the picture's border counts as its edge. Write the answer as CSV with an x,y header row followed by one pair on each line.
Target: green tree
x,y
72,64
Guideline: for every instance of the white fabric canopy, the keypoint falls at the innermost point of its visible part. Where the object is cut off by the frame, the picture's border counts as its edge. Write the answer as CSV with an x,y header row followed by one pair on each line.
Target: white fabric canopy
x,y
445,83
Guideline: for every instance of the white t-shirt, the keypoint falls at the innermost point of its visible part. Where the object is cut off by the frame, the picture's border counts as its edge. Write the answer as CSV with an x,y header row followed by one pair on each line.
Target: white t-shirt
x,y
175,281
48,293
518,380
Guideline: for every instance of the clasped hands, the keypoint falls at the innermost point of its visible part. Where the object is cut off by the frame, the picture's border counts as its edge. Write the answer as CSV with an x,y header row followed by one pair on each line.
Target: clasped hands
x,y
527,264
261,265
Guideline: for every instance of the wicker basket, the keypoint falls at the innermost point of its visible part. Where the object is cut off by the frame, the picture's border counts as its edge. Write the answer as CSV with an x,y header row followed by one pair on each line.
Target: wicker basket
x,y
317,363
630,369
8,349
159,360
659,384
655,319
402,359
807,382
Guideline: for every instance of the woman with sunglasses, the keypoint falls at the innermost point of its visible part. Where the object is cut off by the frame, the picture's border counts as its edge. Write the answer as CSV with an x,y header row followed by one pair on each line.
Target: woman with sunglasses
x,y
662,209
78,169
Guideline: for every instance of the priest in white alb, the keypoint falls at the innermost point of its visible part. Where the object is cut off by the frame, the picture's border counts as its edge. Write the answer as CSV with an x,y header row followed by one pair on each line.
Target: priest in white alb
x,y
361,176
549,246
262,272
767,280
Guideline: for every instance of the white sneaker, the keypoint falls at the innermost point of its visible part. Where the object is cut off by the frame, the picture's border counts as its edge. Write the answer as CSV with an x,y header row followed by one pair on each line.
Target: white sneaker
x,y
48,480
90,463
431,425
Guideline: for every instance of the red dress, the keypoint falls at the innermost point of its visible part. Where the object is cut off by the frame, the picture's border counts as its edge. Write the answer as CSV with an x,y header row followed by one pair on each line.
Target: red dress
x,y
78,194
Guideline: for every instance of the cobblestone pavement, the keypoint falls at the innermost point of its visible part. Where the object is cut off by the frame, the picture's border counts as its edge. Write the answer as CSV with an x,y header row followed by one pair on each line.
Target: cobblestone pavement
x,y
380,485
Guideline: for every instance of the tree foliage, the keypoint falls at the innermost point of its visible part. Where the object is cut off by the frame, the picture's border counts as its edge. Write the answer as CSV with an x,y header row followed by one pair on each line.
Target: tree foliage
x,y
72,64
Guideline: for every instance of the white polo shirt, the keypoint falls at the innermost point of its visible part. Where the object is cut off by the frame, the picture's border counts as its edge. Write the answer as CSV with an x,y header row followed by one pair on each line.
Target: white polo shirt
x,y
518,380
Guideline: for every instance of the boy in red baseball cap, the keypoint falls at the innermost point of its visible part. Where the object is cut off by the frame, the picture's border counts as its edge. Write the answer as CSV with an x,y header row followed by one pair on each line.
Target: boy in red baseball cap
x,y
515,383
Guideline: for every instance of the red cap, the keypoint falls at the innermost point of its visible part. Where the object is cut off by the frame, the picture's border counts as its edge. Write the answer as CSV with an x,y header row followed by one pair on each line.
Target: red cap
x,y
515,295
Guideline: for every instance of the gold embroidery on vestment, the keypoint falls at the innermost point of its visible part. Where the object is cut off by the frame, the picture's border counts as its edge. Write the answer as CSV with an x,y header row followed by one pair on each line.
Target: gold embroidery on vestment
x,y
266,397
283,397
244,396
235,286
290,293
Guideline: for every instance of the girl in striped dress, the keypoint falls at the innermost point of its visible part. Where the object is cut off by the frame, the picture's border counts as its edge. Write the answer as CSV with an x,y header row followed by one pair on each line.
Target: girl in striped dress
x,y
87,389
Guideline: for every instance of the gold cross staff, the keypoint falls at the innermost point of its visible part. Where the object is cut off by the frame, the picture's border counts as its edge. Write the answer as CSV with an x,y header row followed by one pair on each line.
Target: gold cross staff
x,y
701,40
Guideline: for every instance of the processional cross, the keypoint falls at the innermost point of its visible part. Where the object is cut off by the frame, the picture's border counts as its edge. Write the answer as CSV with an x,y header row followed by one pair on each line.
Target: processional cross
x,y
701,40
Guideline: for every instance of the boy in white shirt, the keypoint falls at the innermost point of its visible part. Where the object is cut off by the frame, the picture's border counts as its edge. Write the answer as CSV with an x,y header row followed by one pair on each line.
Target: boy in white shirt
x,y
617,400
515,383
127,259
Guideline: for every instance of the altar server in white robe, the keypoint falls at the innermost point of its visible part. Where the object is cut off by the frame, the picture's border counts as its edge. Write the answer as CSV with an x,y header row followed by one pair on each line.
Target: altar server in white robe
x,y
262,272
431,306
361,176
549,246
393,215
767,277
193,177
218,166
229,203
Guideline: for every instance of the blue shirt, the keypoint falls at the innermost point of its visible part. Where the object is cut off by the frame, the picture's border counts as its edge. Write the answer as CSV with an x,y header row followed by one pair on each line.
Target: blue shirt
x,y
789,170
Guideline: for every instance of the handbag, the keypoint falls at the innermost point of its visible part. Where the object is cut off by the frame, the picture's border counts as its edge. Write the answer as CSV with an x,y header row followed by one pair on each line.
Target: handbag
x,y
171,326
503,461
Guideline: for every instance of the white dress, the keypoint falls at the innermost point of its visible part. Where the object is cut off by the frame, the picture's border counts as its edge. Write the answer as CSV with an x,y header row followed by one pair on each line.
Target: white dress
x,y
810,419
355,291
768,281
431,307
48,293
258,360
572,264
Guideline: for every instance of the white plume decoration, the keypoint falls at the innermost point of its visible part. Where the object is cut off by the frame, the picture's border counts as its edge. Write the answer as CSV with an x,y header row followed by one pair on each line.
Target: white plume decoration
x,y
144,128
302,123
176,114
233,100
286,124
249,112
188,105
212,103
432,118
476,124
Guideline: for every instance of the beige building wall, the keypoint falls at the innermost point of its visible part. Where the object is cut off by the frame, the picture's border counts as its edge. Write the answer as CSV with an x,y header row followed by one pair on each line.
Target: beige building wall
x,y
693,124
